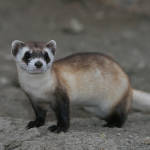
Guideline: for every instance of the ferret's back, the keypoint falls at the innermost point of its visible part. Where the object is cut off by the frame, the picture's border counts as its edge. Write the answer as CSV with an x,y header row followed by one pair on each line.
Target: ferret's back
x,y
86,61
92,76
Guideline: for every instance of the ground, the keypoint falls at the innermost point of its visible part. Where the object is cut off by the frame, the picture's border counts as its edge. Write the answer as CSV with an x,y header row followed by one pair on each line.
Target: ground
x,y
76,26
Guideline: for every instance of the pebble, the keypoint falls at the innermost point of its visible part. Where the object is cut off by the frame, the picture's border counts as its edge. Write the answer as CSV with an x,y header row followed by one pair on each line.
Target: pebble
x,y
74,27
4,81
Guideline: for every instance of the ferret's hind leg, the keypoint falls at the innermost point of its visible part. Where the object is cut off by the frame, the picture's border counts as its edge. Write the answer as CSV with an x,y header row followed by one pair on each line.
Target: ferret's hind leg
x,y
120,112
116,119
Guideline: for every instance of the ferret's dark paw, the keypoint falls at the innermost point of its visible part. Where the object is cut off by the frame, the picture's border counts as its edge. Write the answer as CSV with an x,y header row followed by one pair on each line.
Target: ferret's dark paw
x,y
52,128
57,129
33,124
111,125
108,125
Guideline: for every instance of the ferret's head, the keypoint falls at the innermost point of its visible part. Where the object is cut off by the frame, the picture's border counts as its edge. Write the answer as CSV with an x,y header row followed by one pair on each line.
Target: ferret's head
x,y
34,57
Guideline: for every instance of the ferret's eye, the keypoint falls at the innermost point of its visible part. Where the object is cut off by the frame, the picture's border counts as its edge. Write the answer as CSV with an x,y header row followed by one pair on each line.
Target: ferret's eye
x,y
46,57
27,55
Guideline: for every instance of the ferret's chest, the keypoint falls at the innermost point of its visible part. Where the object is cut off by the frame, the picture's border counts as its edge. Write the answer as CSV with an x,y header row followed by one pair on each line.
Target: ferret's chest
x,y
39,88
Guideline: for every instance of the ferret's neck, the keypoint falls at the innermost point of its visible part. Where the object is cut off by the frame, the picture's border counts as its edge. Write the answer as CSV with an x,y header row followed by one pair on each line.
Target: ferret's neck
x,y
43,78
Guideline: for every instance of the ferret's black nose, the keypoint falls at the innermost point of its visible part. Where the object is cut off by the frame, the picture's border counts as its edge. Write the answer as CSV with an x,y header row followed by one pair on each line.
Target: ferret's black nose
x,y
38,64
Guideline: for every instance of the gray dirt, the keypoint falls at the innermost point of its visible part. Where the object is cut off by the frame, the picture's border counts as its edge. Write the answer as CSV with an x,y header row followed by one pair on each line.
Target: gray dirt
x,y
77,26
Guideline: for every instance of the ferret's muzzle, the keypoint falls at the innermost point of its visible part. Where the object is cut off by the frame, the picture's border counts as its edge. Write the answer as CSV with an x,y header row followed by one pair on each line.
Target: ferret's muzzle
x,y
37,65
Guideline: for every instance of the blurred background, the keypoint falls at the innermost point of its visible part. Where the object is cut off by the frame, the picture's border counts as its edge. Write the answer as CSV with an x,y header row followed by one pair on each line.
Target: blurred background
x,y
120,28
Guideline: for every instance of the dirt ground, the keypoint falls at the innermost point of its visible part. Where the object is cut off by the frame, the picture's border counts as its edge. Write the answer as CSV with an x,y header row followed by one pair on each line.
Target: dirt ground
x,y
77,26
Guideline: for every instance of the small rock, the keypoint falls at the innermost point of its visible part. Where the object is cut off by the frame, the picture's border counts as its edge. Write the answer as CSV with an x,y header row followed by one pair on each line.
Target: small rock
x,y
4,81
141,64
74,27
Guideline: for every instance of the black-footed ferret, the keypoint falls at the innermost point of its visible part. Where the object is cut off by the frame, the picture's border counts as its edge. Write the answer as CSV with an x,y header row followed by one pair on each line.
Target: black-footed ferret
x,y
93,81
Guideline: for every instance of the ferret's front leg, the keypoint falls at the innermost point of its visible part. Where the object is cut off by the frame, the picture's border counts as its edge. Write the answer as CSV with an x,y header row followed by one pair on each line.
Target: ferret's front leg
x,y
40,115
61,109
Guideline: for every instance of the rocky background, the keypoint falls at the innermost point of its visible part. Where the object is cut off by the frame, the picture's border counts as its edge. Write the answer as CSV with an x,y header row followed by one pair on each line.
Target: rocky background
x,y
120,28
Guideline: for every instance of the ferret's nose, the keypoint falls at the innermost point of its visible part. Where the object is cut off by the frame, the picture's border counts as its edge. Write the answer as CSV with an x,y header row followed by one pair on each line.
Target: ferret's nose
x,y
38,64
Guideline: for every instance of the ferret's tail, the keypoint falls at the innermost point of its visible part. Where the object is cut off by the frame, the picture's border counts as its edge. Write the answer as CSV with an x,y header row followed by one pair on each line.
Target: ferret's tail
x,y
141,101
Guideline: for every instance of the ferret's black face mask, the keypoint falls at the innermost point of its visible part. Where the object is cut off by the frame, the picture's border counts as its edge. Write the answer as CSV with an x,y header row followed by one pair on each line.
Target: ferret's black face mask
x,y
32,57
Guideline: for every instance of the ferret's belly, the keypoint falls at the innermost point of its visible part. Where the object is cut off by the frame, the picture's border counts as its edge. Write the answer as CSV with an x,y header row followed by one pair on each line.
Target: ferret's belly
x,y
96,105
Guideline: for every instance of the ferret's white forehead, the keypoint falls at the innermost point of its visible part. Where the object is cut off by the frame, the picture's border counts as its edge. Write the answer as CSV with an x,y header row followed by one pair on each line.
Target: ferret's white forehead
x,y
21,53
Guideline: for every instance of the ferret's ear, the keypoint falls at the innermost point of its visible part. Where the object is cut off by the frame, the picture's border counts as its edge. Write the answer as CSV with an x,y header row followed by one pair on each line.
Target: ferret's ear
x,y
15,46
52,46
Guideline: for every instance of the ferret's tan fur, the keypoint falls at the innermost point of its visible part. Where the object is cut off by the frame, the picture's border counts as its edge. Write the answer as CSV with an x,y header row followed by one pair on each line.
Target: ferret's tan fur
x,y
93,81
